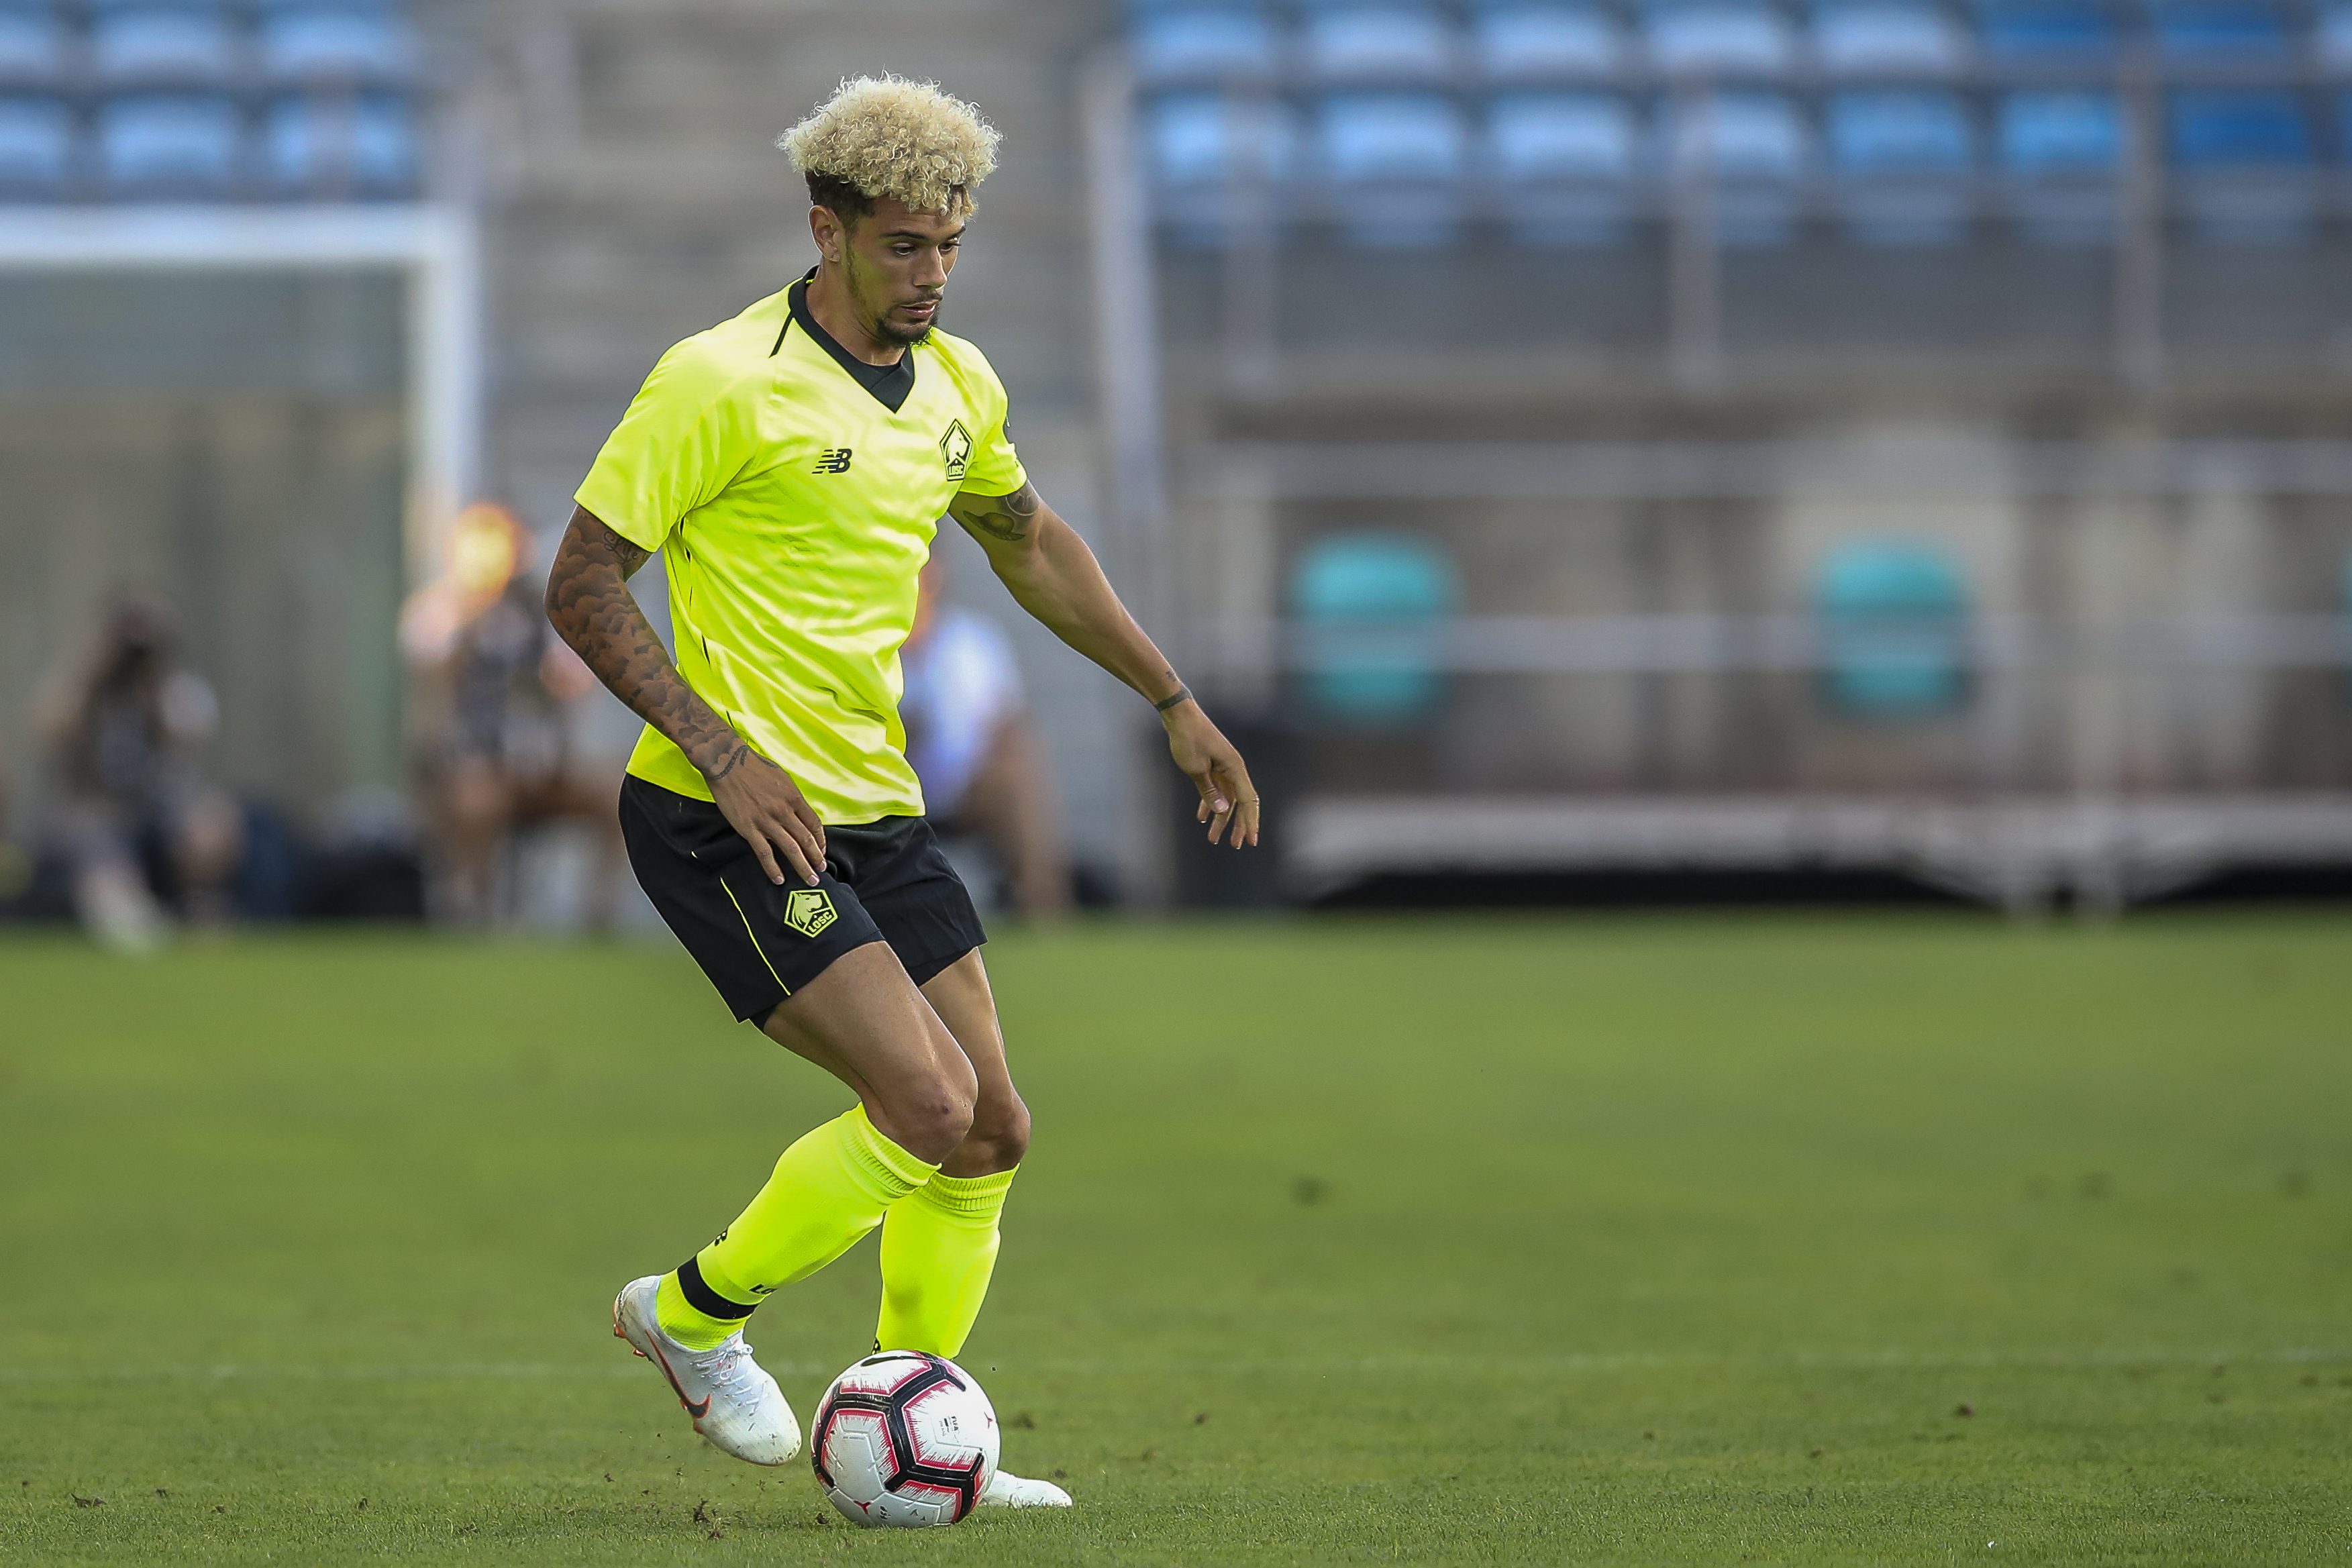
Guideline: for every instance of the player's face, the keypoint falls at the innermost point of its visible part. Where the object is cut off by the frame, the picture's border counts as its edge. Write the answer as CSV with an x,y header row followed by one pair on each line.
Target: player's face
x,y
897,265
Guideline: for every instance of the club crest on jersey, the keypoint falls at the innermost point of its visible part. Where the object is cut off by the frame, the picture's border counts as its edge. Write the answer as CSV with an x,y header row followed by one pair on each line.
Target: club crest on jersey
x,y
833,460
809,910
956,447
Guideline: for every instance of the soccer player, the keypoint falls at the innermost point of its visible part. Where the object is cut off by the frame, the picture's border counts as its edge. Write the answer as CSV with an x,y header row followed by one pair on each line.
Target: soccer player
x,y
792,465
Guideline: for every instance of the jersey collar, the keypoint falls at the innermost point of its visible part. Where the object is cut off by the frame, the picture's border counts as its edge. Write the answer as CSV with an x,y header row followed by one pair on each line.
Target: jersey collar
x,y
890,384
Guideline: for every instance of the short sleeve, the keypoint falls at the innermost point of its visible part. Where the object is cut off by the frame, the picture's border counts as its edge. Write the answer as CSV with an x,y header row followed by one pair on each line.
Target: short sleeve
x,y
994,468
688,433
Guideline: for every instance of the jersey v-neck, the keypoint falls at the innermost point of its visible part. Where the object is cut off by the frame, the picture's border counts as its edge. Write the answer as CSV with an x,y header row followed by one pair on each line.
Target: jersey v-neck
x,y
890,384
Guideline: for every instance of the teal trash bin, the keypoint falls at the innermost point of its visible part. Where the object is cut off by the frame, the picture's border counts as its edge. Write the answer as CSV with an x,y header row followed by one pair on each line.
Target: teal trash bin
x,y
1371,610
1892,617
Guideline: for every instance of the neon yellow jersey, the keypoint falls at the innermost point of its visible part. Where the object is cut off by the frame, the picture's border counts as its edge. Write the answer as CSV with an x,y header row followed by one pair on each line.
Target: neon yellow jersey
x,y
793,506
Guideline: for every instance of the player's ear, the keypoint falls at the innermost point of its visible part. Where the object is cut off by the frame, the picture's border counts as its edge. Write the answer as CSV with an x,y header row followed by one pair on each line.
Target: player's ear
x,y
827,229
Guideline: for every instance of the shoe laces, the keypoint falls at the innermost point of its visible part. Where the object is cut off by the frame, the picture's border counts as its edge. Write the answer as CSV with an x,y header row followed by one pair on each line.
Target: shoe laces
x,y
731,1370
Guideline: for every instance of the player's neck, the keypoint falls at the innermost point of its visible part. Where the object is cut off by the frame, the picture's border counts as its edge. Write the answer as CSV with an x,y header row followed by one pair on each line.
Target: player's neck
x,y
828,301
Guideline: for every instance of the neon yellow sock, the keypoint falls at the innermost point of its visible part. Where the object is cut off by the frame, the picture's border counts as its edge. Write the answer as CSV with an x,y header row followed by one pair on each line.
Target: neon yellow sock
x,y
829,1189
938,1250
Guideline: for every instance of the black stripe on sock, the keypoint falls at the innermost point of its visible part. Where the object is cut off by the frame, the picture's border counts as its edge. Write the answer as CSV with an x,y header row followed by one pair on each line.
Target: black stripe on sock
x,y
706,1301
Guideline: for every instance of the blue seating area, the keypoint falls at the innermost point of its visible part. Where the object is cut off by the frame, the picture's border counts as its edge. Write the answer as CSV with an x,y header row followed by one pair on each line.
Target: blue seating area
x,y
147,100
1889,122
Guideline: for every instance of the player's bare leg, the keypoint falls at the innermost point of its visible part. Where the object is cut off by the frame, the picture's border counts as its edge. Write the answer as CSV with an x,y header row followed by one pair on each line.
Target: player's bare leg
x,y
999,1135
863,1021
998,1138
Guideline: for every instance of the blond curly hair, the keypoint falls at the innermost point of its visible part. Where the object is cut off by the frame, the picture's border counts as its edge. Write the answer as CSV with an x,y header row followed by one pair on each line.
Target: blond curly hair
x,y
886,136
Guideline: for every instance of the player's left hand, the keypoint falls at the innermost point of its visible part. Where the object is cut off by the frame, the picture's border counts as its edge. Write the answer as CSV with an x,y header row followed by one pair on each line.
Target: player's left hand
x,y
1228,798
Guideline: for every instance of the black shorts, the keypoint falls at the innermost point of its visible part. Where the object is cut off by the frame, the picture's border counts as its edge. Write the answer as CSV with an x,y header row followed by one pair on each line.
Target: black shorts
x,y
882,881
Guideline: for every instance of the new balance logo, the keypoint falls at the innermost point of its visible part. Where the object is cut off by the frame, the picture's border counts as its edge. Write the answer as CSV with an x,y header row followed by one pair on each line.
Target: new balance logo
x,y
833,460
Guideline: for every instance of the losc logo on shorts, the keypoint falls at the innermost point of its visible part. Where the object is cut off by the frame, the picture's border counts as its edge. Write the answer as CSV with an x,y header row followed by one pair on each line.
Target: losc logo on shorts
x,y
809,910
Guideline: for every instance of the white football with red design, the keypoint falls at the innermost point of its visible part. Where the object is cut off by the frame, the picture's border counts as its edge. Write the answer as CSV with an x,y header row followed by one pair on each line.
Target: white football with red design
x,y
906,1439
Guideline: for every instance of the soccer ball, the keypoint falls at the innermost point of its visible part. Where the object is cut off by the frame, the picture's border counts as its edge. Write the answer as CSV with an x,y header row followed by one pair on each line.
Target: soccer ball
x,y
903,1439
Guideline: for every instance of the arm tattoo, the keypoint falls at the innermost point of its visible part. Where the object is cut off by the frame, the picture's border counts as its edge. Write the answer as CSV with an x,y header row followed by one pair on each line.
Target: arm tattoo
x,y
590,605
1006,518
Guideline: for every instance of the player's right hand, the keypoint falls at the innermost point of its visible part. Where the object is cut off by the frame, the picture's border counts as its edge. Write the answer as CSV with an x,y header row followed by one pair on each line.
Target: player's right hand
x,y
761,802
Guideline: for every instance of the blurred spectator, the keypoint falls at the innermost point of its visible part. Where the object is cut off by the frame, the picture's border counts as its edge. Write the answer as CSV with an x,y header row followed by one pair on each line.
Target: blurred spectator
x,y
973,747
124,730
15,865
494,686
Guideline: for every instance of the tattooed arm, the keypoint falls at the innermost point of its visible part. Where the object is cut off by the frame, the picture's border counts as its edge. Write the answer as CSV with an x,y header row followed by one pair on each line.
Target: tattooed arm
x,y
1054,577
591,607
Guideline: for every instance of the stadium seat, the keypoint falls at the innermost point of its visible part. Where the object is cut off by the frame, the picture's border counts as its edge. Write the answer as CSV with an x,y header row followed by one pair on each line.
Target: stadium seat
x,y
1393,164
1904,157
2054,35
1374,607
1718,38
2331,40
342,43
169,144
33,46
1893,619
183,44
1537,43
1888,38
2061,157
37,146
2222,33
341,147
2243,160
1397,43
1562,166
1205,46
1753,146
1198,145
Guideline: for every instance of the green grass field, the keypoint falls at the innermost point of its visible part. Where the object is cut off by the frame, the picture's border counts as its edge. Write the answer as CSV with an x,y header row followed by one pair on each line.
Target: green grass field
x,y
1885,1239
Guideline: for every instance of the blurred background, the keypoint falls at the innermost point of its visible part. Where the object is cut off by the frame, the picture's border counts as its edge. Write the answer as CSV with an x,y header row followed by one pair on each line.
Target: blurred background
x,y
1713,448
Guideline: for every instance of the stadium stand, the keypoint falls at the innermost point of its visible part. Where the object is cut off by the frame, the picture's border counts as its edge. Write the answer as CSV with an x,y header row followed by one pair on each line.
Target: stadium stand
x,y
1387,44
2062,153
272,100
1203,148
188,43
1754,150
2049,36
335,43
1563,163
37,141
1872,38
1531,43
1721,39
1205,46
1904,157
341,147
33,46
2245,158
1395,165
2222,33
167,145
1898,96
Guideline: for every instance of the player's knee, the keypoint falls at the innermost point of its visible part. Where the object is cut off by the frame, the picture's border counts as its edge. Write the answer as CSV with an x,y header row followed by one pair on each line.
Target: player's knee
x,y
931,1121
1000,1140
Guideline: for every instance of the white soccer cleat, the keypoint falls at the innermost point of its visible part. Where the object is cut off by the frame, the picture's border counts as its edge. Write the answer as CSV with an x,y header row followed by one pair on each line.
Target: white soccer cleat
x,y
1008,1490
736,1406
